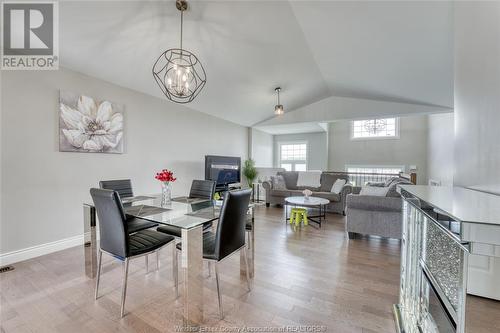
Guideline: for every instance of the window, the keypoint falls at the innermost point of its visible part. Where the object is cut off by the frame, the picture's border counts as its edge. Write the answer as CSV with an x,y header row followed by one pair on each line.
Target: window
x,y
293,156
375,128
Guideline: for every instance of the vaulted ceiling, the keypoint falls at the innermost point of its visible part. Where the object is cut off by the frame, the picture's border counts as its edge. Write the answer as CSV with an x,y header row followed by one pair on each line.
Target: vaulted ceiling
x,y
389,51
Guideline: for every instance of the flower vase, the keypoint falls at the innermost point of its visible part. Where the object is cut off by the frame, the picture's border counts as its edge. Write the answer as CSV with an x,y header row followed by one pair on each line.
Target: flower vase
x,y
166,194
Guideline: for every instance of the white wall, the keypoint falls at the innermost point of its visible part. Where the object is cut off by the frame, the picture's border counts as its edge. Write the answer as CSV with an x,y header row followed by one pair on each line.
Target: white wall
x,y
317,153
477,94
409,149
440,148
43,189
477,119
261,148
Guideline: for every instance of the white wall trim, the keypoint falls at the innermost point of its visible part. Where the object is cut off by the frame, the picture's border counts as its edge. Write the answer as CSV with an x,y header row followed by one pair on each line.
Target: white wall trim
x,y
40,250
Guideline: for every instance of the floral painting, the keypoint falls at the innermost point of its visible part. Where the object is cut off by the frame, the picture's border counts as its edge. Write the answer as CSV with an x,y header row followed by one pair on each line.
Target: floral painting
x,y
88,125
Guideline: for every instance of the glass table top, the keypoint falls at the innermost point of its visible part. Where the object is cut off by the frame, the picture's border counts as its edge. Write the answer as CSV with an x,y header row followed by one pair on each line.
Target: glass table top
x,y
310,201
181,212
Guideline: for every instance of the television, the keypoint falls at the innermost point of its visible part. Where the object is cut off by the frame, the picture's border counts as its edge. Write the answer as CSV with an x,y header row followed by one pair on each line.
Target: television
x,y
224,170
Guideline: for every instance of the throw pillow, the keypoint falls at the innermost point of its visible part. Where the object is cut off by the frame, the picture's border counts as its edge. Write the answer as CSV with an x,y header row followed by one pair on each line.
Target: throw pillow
x,y
278,182
338,185
374,190
393,187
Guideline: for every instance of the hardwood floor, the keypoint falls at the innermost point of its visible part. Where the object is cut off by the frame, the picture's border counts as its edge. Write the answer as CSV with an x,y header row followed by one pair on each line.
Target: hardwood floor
x,y
307,277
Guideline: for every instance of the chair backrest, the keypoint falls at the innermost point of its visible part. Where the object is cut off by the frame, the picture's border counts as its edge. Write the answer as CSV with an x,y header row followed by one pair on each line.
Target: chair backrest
x,y
203,189
112,226
122,186
230,234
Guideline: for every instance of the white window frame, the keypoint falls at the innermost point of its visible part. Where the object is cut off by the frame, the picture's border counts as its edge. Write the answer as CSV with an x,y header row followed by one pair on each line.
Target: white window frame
x,y
351,130
293,162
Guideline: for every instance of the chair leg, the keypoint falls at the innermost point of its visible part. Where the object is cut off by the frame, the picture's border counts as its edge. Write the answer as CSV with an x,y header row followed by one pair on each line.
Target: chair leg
x,y
221,311
209,268
158,260
249,240
124,286
98,273
245,255
175,270
146,257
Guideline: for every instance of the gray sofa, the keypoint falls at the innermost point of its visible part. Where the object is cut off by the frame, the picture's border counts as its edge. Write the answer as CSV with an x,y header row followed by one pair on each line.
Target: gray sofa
x,y
375,215
337,201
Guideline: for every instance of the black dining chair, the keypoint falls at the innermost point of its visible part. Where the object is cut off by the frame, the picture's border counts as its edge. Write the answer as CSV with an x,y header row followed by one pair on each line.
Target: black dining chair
x,y
203,189
122,186
229,236
200,189
118,242
124,189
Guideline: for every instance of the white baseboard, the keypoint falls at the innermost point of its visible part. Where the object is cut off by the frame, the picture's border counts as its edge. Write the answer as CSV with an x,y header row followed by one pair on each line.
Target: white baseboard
x,y
39,250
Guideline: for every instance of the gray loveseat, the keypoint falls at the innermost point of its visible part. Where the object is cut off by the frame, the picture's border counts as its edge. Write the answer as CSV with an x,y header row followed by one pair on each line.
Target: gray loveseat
x,y
375,215
337,201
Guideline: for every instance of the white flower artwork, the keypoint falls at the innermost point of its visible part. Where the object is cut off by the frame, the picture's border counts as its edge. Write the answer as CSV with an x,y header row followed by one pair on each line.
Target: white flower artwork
x,y
87,125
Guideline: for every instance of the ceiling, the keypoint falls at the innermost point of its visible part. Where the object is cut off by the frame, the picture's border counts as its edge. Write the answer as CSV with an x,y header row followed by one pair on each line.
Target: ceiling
x,y
390,51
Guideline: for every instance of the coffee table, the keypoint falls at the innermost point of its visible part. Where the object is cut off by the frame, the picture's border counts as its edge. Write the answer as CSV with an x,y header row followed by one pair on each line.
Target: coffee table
x,y
309,202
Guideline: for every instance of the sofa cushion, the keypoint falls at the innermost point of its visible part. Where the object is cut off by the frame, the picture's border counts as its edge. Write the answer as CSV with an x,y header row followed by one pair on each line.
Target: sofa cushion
x,y
309,179
314,189
392,192
338,185
328,179
370,202
334,197
280,193
290,179
278,182
296,193
374,190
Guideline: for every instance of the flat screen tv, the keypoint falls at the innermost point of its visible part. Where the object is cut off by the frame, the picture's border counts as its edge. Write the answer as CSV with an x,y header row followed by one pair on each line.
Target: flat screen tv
x,y
224,170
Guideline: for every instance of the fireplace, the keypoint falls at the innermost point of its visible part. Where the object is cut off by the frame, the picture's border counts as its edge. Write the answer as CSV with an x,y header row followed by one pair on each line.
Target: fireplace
x,y
436,318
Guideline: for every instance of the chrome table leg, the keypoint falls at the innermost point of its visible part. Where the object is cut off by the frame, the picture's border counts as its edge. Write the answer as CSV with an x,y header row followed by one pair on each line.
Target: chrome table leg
x,y
246,264
98,274
192,268
251,252
124,286
175,269
221,311
90,240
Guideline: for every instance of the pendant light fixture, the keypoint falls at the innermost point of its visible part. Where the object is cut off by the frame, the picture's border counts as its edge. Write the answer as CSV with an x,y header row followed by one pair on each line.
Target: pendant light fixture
x,y
278,108
373,126
178,72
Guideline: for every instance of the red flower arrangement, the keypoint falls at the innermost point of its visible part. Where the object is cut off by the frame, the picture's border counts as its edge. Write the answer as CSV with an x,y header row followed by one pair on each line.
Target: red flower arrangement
x,y
165,176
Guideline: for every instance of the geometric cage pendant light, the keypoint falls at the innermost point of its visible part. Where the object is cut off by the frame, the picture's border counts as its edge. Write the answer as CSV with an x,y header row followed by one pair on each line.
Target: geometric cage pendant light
x,y
278,108
178,72
373,126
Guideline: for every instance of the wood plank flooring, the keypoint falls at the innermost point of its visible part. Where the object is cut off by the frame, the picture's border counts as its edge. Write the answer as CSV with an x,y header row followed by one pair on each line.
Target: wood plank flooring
x,y
307,277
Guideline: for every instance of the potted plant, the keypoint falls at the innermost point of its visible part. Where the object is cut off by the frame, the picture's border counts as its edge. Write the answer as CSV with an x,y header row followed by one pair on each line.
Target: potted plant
x,y
250,171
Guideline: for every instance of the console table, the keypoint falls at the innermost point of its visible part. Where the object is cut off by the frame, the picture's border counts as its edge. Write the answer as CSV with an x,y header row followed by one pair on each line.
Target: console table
x,y
443,227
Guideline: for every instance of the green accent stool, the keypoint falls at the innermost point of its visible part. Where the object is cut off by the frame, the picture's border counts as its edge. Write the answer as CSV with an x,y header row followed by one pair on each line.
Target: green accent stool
x,y
298,215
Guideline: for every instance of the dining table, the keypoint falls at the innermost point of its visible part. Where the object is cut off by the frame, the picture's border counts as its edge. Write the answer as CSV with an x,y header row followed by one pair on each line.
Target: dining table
x,y
187,214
